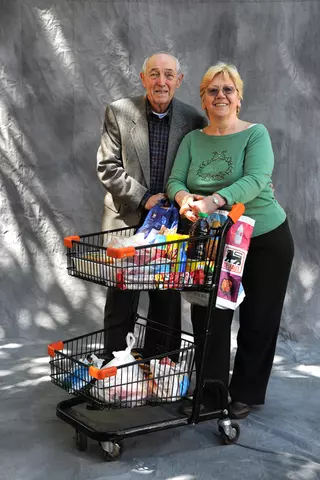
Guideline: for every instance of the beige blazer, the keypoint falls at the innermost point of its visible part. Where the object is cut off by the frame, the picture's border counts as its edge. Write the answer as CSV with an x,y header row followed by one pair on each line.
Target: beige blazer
x,y
123,161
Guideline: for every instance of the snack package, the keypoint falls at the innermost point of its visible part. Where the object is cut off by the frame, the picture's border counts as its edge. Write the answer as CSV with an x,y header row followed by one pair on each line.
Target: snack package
x,y
177,252
160,220
162,265
197,271
174,280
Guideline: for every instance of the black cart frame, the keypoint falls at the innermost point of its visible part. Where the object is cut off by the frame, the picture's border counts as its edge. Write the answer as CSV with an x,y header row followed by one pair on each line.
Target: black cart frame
x,y
90,259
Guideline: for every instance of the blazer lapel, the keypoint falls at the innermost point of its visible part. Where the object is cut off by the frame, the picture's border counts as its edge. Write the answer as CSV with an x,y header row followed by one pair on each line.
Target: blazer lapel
x,y
177,131
140,138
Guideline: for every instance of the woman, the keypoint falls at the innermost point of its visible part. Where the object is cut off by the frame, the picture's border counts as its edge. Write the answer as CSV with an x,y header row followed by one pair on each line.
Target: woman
x,y
231,161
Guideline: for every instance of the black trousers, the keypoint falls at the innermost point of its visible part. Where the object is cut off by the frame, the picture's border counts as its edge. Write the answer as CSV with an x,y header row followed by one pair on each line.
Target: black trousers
x,y
164,308
265,280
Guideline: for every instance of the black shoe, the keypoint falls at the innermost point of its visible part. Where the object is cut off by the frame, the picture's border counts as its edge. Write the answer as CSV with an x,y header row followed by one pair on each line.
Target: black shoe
x,y
238,410
186,407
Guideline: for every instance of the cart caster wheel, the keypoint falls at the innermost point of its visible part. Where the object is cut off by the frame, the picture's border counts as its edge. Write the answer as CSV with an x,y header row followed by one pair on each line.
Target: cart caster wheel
x,y
232,435
111,450
81,441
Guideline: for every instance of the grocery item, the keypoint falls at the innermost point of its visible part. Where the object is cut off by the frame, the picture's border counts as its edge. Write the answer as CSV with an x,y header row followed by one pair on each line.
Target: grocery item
x,y
197,248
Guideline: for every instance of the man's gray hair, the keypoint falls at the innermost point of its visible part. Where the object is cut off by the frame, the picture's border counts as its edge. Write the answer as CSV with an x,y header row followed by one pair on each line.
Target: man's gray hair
x,y
144,65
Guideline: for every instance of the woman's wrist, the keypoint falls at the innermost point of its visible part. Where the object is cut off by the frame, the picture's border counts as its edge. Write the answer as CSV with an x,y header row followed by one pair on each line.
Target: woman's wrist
x,y
218,200
180,196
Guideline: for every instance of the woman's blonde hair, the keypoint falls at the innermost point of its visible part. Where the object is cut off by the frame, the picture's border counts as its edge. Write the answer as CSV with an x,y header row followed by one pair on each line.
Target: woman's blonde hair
x,y
227,70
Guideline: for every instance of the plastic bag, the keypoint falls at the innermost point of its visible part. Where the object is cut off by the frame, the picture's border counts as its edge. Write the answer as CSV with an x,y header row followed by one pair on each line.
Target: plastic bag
x,y
170,381
129,386
119,241
79,377
160,220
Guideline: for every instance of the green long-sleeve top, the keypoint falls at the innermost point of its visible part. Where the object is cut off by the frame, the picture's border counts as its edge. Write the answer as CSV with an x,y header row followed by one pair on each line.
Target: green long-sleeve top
x,y
237,166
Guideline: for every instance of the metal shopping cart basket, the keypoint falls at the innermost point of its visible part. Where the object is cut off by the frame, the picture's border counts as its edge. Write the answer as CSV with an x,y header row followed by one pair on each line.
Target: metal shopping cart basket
x,y
104,396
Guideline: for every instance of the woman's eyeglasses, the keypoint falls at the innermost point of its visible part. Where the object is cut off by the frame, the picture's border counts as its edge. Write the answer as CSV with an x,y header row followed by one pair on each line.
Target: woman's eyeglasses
x,y
213,92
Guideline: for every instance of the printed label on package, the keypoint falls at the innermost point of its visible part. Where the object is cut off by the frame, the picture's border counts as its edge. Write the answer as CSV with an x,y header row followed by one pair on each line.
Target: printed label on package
x,y
233,260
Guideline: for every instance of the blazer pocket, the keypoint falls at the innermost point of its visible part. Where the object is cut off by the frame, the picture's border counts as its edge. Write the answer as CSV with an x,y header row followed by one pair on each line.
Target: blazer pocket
x,y
111,204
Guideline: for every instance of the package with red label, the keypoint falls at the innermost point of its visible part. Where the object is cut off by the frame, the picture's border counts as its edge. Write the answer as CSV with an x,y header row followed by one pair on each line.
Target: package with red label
x,y
174,280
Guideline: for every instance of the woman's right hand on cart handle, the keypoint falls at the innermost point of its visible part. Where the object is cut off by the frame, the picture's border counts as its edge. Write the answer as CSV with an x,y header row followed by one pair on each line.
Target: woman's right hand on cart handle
x,y
192,204
185,200
208,204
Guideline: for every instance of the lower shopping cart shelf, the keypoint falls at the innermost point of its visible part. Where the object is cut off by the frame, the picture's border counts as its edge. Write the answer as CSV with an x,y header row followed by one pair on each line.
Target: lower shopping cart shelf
x,y
110,404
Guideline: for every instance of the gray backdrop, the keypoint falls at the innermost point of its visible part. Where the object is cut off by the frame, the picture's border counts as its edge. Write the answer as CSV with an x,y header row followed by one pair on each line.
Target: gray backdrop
x,y
61,61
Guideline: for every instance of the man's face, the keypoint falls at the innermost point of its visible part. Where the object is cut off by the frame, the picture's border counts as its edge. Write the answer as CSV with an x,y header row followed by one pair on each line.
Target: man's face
x,y
161,80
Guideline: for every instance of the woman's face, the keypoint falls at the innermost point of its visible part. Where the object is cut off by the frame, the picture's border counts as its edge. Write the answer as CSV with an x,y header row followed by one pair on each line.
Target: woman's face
x,y
221,98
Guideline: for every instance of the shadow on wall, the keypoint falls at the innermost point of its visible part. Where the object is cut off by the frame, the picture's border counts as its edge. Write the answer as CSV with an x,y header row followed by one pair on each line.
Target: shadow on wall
x,y
52,104
297,171
299,321
36,293
44,172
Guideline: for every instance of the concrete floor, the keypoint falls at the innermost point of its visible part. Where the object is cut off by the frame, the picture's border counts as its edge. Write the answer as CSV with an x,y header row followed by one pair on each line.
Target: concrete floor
x,y
279,441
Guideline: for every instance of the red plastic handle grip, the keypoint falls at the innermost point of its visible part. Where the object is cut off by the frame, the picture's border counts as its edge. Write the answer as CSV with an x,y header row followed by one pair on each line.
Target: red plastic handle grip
x,y
54,346
121,252
100,374
68,240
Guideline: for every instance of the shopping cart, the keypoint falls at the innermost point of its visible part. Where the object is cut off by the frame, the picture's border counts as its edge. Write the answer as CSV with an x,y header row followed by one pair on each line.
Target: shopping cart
x,y
103,396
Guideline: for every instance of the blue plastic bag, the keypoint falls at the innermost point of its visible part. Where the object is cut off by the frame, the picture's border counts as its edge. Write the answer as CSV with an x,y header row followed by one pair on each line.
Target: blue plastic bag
x,y
159,219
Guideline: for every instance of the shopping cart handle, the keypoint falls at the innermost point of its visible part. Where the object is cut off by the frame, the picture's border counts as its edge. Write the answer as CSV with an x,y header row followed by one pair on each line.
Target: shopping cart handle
x,y
236,211
68,240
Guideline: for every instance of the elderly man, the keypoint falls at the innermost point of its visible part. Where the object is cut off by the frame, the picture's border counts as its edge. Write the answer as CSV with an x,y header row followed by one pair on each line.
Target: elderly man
x,y
140,139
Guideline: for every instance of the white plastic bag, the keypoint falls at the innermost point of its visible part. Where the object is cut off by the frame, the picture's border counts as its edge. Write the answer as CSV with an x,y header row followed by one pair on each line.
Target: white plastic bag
x,y
128,387
120,241
170,380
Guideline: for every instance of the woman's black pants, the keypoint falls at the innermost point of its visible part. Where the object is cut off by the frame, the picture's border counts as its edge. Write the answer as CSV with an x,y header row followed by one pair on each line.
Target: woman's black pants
x,y
265,280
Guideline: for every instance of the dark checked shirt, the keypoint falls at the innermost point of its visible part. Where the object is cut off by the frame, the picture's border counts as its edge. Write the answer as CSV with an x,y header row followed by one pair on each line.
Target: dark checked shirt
x,y
159,129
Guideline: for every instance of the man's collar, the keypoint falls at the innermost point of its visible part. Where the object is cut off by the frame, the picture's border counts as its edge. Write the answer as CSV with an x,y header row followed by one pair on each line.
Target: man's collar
x,y
150,111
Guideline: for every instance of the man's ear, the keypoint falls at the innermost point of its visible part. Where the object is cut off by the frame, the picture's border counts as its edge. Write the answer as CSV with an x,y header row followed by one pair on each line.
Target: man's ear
x,y
142,79
180,78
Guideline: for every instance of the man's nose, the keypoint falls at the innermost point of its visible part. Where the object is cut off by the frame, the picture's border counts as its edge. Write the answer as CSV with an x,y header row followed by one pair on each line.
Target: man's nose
x,y
161,79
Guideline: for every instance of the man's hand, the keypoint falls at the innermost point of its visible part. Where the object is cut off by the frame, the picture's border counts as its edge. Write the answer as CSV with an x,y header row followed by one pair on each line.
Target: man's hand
x,y
154,199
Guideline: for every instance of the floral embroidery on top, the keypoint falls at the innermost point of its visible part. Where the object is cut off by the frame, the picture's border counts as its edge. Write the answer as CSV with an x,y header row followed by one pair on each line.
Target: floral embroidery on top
x,y
220,175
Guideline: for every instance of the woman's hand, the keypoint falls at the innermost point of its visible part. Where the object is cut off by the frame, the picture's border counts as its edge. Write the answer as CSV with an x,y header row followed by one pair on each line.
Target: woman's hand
x,y
186,206
207,204
204,205
188,201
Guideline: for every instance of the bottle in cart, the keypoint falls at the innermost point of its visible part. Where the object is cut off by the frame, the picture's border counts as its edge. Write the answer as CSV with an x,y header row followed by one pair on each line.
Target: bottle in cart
x,y
197,249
